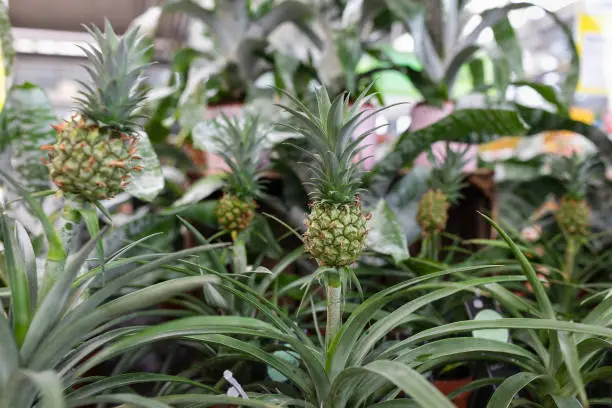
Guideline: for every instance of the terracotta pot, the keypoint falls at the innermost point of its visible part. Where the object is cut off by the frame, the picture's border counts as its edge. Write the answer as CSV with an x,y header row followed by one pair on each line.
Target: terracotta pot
x,y
424,115
448,386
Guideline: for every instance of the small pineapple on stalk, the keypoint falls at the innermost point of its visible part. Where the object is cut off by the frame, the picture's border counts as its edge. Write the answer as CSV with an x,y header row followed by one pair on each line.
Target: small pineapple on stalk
x,y
239,143
445,184
95,150
574,211
336,225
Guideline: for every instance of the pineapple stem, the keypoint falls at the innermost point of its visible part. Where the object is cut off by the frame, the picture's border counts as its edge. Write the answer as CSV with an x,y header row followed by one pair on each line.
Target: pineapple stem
x,y
568,270
570,257
435,244
68,228
334,305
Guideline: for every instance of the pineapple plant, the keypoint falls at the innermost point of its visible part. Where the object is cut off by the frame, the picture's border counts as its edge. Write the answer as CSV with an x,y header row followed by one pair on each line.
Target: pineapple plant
x,y
239,143
336,225
573,213
95,151
445,184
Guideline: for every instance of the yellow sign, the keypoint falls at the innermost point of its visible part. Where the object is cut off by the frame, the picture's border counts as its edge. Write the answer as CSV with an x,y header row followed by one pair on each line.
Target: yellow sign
x,y
591,43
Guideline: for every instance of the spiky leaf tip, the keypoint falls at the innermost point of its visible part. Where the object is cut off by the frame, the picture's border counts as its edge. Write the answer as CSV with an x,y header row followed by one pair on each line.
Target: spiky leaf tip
x,y
240,142
329,130
114,92
577,174
447,175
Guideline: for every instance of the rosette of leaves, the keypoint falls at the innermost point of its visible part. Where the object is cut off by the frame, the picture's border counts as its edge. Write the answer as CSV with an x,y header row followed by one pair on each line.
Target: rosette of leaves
x,y
48,335
239,33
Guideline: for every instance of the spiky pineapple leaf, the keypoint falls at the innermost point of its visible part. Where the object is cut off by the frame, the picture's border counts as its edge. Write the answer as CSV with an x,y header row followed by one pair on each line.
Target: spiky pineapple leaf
x,y
148,183
114,93
385,233
26,124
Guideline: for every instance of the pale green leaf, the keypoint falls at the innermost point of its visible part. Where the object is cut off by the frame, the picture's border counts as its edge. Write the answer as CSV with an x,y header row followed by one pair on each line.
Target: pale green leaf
x,y
385,234
200,190
148,183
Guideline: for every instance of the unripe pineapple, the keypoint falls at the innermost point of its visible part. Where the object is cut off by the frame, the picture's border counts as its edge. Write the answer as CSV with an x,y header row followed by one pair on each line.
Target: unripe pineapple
x,y
235,213
573,217
445,183
239,143
574,212
95,150
432,212
336,234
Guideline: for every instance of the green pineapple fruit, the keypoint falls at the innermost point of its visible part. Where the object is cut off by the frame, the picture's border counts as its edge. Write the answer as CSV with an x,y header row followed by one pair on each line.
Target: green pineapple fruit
x,y
573,216
336,225
95,150
574,212
445,184
239,143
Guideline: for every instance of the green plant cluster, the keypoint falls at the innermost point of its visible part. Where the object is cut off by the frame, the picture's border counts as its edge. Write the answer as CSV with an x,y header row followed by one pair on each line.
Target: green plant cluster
x,y
285,274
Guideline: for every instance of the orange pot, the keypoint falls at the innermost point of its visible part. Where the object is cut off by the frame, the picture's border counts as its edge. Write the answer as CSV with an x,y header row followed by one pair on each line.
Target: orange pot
x,y
448,386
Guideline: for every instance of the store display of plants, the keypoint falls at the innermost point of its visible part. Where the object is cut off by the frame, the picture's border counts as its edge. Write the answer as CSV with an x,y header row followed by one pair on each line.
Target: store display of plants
x,y
161,250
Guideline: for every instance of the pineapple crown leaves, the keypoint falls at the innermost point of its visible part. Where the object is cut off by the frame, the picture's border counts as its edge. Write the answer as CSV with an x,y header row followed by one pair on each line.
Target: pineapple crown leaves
x,y
114,93
447,174
240,143
328,130
577,174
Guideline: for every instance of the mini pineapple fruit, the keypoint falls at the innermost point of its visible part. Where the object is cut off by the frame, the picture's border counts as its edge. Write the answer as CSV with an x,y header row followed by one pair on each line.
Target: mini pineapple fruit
x,y
239,143
336,225
445,183
574,212
95,150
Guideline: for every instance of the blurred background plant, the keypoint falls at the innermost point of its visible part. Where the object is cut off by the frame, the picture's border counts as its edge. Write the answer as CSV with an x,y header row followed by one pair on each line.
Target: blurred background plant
x,y
164,309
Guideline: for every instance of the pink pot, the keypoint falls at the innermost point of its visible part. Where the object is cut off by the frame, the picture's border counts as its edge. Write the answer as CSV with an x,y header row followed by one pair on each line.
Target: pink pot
x,y
424,115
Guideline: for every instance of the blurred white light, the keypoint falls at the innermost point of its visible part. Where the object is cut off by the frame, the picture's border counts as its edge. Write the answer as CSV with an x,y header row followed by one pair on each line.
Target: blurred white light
x,y
46,47
402,124
25,45
404,43
383,123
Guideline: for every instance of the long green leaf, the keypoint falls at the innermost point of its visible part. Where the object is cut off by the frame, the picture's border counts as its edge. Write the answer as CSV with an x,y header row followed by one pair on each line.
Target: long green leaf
x,y
56,253
401,375
566,402
382,327
569,352
53,305
14,264
130,399
122,380
537,285
9,354
352,329
298,377
505,393
212,400
50,387
190,326
61,339
508,323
